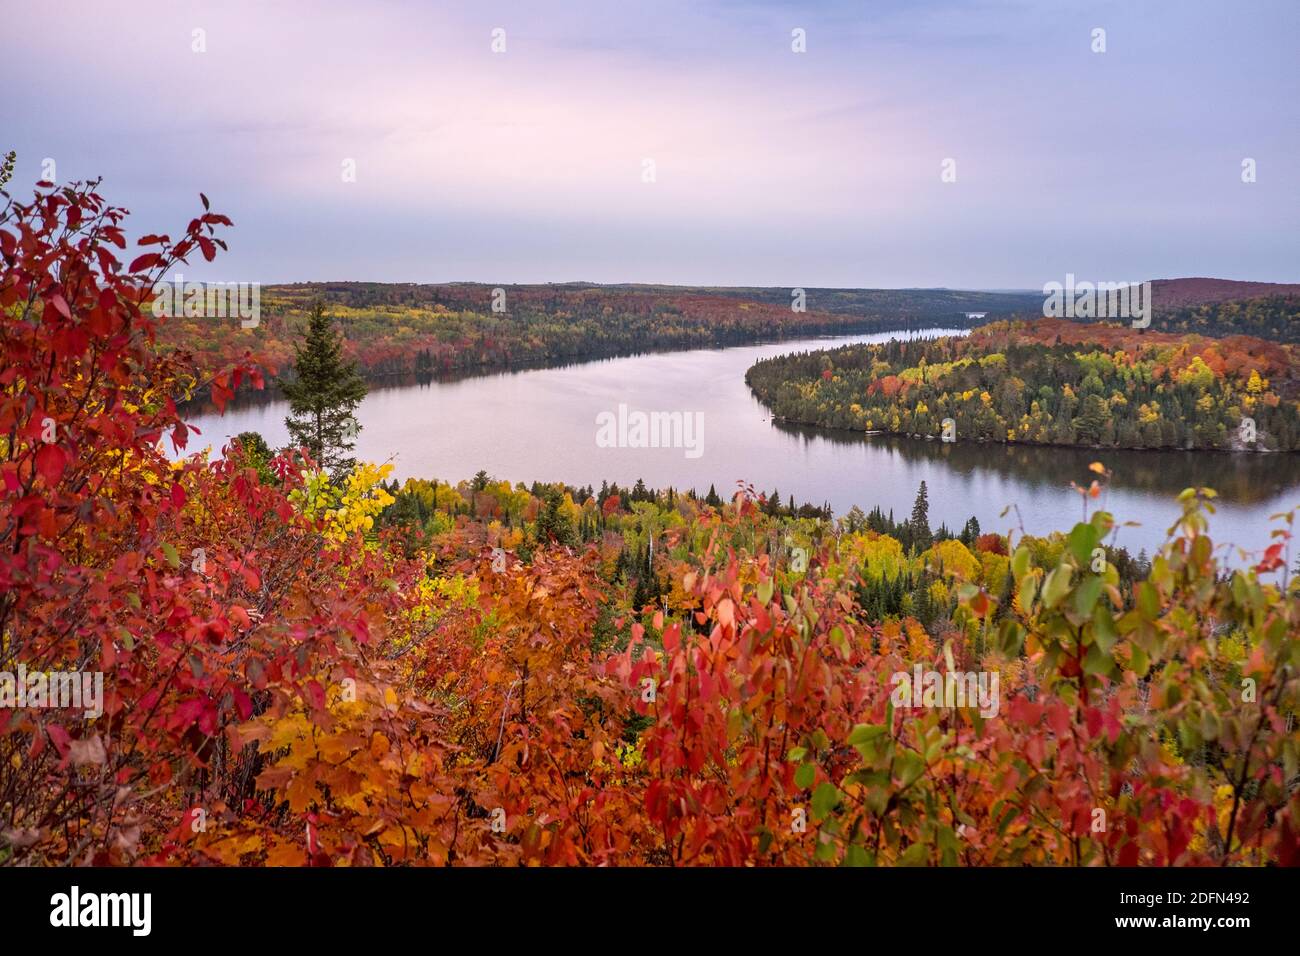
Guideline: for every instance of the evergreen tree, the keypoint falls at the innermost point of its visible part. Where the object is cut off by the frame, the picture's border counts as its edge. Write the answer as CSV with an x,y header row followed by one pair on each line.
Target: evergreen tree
x,y
920,523
253,450
552,525
324,396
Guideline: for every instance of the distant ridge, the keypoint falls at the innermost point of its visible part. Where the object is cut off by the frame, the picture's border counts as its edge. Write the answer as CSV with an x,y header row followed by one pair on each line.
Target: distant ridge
x,y
1179,293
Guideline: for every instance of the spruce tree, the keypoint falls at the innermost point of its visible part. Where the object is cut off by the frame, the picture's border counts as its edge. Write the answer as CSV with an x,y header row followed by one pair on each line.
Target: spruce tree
x,y
920,523
324,396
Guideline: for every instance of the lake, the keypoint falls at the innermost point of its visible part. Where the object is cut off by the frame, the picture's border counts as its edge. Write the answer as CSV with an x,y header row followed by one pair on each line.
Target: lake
x,y
541,424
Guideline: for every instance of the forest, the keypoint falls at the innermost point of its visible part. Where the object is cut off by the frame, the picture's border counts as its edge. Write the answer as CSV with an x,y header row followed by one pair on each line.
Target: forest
x,y
1049,381
1220,308
395,330
1272,318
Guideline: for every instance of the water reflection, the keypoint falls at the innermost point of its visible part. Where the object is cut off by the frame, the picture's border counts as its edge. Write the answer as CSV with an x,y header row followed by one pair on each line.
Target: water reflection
x,y
1240,478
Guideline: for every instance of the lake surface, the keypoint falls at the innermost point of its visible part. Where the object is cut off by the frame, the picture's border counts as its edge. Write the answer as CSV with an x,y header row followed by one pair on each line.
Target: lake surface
x,y
541,424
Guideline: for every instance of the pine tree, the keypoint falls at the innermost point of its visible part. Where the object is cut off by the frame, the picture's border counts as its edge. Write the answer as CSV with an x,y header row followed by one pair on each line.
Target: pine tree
x,y
324,397
920,523
552,525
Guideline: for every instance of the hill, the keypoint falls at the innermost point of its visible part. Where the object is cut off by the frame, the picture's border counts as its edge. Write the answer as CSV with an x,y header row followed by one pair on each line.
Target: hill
x,y
1053,382
1180,293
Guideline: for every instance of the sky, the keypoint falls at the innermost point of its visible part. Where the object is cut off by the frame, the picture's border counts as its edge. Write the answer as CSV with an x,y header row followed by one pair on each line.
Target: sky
x,y
679,142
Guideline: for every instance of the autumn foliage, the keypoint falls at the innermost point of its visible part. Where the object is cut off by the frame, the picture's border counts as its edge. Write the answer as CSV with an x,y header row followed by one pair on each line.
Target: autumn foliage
x,y
1050,381
284,685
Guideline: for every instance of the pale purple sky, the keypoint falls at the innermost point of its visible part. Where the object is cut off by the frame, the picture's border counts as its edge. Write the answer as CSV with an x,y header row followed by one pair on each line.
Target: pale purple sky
x,y
772,167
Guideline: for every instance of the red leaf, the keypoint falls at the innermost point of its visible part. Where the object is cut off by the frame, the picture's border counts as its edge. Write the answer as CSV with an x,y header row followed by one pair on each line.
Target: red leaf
x,y
60,738
60,305
51,460
188,712
1272,559
146,261
243,704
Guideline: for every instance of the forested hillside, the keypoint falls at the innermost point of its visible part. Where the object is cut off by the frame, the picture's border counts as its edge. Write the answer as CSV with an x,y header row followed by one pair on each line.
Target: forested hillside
x,y
1220,308
938,307
399,330
1270,318
1050,381
1191,292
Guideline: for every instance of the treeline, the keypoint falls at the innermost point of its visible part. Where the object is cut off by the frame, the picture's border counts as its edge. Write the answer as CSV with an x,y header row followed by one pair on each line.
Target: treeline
x,y
921,307
1048,382
427,330
552,512
641,527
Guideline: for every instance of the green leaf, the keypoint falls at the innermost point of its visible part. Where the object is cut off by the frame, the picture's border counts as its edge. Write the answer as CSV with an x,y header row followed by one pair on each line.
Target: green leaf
x,y
864,732
1011,637
1148,601
765,591
173,558
825,799
1097,661
910,767
805,775
1027,591
856,856
914,855
1085,598
1056,586
1103,628
1083,538
1020,562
